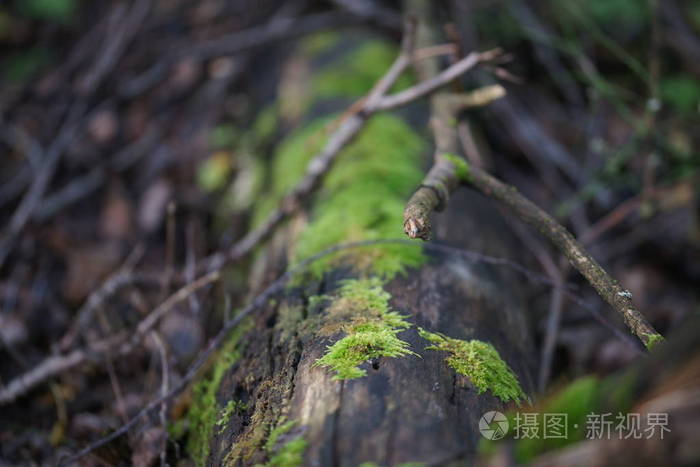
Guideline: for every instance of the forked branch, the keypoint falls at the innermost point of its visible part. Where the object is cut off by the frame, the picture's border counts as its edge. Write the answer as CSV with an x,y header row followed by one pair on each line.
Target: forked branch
x,y
450,171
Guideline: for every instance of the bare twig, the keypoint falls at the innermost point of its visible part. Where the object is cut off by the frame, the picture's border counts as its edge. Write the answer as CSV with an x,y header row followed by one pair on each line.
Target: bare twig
x,y
433,194
608,288
51,366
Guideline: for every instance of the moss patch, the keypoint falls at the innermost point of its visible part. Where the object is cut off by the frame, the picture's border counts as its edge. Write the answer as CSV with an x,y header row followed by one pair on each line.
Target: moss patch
x,y
364,194
481,363
232,407
291,453
362,198
461,166
577,400
362,311
653,340
355,74
202,415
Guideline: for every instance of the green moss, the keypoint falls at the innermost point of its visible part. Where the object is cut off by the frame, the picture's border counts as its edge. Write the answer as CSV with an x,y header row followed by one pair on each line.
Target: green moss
x,y
576,400
202,415
232,407
355,73
481,363
291,453
653,340
363,196
461,166
362,311
283,426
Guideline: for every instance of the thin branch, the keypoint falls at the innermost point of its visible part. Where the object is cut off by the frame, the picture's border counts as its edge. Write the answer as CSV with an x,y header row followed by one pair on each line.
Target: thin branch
x,y
51,366
427,87
164,389
124,277
443,178
449,171
432,195
607,287
123,344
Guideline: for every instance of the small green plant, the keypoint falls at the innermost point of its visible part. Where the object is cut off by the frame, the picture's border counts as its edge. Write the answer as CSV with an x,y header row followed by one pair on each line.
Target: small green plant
x,y
202,415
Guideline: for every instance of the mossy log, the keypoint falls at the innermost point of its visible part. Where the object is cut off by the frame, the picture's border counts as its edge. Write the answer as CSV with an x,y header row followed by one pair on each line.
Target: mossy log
x,y
386,354
413,407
